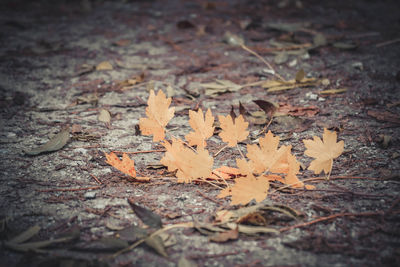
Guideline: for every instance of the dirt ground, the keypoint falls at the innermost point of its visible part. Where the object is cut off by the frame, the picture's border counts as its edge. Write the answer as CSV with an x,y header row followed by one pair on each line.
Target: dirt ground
x,y
47,55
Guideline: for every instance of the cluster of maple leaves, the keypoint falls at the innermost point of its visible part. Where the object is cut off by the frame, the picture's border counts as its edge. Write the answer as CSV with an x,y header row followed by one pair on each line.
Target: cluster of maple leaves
x,y
264,162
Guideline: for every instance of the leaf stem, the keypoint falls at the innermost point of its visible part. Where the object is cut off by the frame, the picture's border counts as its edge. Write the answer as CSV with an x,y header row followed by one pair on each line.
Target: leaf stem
x,y
240,152
219,151
264,61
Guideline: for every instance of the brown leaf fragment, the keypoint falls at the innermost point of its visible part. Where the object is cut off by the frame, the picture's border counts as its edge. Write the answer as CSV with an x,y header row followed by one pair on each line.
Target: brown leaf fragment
x,y
132,233
183,262
242,110
252,230
254,218
25,235
104,116
54,144
105,244
220,87
146,216
308,111
105,65
156,243
225,236
232,113
300,75
268,107
333,91
319,40
122,42
384,116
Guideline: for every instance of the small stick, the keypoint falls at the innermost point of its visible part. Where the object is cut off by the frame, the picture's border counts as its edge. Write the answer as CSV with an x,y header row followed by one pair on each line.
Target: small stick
x,y
207,197
96,179
219,151
140,152
69,189
240,152
327,218
388,42
263,60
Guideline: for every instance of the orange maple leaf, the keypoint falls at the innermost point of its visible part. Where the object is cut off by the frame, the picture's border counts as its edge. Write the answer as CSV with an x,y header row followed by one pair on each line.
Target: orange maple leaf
x,y
158,116
126,165
224,172
246,189
202,126
190,165
267,156
233,132
323,151
293,170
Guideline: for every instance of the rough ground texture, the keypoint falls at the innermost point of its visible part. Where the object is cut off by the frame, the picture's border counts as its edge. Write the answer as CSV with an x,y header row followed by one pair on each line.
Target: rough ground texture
x,y
43,47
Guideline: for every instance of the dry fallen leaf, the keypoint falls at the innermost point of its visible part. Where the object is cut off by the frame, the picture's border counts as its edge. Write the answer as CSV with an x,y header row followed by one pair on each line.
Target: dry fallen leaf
x,y
267,156
294,167
246,189
158,116
323,151
224,172
225,236
190,165
202,126
220,86
333,91
54,144
105,65
104,116
126,165
233,132
276,85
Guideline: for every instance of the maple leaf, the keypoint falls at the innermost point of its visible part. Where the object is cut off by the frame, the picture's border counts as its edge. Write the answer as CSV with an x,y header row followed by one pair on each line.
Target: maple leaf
x,y
294,167
158,116
202,126
190,165
246,189
245,167
323,151
267,156
233,132
126,165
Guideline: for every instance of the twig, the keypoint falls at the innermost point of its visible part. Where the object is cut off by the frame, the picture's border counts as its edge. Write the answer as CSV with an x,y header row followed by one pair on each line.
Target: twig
x,y
208,182
393,205
159,231
96,179
141,152
388,42
331,217
222,178
263,60
69,189
240,152
207,197
219,151
324,179
344,177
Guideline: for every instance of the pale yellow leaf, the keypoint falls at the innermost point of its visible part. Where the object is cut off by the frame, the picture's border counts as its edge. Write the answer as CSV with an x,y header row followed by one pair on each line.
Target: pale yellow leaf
x,y
232,133
202,126
158,115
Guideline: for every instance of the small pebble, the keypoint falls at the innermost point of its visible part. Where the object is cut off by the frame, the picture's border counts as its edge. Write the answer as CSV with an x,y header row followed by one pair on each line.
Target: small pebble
x,y
90,195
